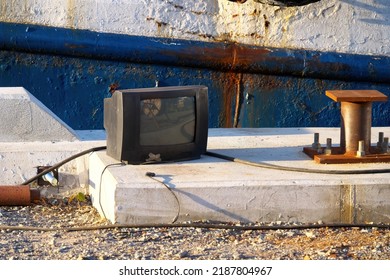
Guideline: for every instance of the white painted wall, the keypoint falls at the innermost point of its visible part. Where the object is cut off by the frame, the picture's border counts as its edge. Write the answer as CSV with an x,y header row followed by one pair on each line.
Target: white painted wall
x,y
353,26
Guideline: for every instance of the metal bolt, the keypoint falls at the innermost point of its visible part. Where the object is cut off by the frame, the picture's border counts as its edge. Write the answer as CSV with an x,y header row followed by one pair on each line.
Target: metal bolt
x,y
385,145
316,137
360,152
328,149
380,140
316,144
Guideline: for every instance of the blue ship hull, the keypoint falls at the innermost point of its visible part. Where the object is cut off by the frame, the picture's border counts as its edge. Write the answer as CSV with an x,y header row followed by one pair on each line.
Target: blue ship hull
x,y
72,71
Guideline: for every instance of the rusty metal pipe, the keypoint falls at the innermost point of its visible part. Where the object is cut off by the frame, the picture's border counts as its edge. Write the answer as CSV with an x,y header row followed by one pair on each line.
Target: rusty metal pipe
x,y
17,195
355,126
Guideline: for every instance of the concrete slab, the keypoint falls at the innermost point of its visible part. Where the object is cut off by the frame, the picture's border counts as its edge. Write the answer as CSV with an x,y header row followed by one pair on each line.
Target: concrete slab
x,y
18,162
23,118
215,189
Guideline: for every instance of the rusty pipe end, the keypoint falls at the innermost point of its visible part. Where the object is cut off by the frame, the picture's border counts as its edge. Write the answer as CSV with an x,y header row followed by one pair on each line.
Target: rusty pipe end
x,y
20,195
35,195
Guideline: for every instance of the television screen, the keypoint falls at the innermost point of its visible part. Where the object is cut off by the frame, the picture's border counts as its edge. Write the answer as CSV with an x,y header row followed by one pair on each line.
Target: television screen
x,y
157,124
167,121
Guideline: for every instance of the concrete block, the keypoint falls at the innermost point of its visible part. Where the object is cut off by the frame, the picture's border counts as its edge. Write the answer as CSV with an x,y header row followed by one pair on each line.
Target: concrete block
x,y
23,118
214,189
18,162
372,203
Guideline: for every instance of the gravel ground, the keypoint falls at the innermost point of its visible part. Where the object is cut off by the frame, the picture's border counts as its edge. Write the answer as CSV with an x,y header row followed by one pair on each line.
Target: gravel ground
x,y
170,243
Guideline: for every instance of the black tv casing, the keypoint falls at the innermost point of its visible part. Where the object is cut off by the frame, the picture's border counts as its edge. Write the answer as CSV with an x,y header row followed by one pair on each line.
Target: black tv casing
x,y
122,124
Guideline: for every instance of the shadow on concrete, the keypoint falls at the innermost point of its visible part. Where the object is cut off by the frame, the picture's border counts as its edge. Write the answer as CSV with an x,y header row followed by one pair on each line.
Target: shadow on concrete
x,y
167,181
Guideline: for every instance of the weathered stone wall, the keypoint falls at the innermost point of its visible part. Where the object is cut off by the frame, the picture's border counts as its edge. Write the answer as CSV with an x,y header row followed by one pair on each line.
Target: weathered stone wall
x,y
351,26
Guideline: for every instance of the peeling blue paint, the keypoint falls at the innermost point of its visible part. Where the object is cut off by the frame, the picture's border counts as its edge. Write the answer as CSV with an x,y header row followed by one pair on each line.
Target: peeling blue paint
x,y
71,71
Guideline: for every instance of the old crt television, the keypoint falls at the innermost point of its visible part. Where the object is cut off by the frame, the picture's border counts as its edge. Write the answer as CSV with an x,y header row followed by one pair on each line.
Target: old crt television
x,y
160,124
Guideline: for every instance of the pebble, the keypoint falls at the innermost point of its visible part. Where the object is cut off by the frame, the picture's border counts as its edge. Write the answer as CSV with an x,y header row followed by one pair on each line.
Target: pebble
x,y
64,249
232,238
310,234
184,254
163,243
290,233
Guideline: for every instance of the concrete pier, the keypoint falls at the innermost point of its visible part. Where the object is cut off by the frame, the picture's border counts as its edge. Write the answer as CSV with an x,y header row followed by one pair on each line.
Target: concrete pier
x,y
214,189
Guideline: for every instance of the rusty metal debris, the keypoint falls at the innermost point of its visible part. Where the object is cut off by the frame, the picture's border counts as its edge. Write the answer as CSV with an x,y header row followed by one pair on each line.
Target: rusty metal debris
x,y
287,3
282,3
18,195
238,1
355,131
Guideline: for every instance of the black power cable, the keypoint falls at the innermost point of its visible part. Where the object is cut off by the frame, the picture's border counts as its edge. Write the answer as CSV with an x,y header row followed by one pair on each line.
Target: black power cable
x,y
58,165
295,169
224,157
203,225
200,225
152,175
100,185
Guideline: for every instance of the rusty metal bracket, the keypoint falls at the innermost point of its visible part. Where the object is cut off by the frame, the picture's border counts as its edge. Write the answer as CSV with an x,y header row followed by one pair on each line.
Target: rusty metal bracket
x,y
355,131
